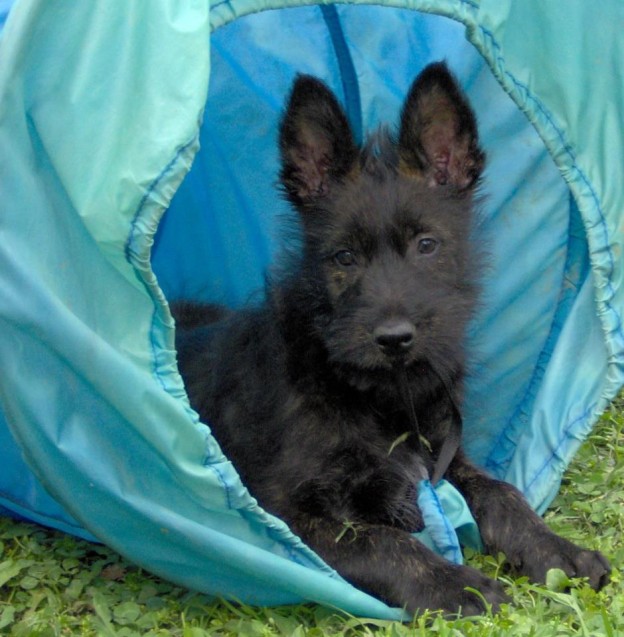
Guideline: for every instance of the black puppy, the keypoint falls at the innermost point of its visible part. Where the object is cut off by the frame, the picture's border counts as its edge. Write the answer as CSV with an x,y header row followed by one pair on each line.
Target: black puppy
x,y
340,392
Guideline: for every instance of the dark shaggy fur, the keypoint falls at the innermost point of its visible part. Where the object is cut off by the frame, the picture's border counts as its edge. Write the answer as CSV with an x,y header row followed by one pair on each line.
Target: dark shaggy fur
x,y
362,343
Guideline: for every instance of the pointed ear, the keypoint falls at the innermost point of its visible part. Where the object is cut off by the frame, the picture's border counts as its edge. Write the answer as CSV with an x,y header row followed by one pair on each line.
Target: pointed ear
x,y
438,140
316,142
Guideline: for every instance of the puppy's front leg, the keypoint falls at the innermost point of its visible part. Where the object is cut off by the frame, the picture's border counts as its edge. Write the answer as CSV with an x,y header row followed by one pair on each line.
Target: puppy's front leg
x,y
392,565
508,524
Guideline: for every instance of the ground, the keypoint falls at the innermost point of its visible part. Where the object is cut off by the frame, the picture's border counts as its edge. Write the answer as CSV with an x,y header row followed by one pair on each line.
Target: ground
x,y
52,584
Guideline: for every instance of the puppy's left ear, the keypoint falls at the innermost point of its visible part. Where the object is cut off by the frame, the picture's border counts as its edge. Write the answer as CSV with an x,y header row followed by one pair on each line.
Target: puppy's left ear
x,y
438,139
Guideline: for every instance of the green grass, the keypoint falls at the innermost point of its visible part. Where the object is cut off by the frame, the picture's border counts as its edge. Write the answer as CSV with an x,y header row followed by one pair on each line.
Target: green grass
x,y
52,584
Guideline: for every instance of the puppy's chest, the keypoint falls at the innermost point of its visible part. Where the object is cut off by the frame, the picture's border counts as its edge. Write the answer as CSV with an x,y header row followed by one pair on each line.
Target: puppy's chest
x,y
357,464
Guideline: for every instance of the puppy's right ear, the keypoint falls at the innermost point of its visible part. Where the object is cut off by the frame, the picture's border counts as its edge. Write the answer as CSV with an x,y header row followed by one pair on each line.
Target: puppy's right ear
x,y
316,142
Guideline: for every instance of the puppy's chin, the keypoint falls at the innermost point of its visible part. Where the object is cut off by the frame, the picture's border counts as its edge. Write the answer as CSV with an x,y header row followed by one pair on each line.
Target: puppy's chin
x,y
365,379
369,358
381,375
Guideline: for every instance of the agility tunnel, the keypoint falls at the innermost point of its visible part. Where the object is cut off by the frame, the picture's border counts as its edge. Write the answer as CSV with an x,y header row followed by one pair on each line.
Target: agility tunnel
x,y
138,163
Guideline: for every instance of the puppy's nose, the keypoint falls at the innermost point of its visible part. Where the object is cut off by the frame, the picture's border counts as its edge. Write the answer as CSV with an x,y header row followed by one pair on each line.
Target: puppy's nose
x,y
394,336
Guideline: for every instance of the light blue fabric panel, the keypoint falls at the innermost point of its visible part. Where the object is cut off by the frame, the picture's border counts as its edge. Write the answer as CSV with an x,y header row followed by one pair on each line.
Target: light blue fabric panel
x,y
223,226
440,534
5,7
99,145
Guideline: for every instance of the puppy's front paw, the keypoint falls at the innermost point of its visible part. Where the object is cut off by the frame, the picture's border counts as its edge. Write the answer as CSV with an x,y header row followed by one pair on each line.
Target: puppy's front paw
x,y
453,592
552,551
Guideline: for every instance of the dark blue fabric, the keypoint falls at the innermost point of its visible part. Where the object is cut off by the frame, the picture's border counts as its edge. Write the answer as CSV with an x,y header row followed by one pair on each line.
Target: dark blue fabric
x,y
352,103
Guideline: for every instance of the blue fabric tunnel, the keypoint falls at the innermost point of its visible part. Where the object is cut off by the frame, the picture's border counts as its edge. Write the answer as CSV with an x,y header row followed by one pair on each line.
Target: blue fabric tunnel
x,y
138,163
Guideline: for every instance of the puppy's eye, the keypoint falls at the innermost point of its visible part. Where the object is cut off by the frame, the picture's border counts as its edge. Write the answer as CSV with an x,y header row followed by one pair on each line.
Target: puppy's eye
x,y
345,258
427,245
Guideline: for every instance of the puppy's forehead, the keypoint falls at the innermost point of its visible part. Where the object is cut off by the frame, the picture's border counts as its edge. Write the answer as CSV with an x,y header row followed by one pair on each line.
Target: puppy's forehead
x,y
371,211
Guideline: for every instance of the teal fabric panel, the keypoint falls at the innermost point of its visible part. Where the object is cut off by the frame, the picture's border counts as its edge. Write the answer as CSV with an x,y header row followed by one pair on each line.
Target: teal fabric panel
x,y
22,495
89,385
99,145
558,62
54,268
